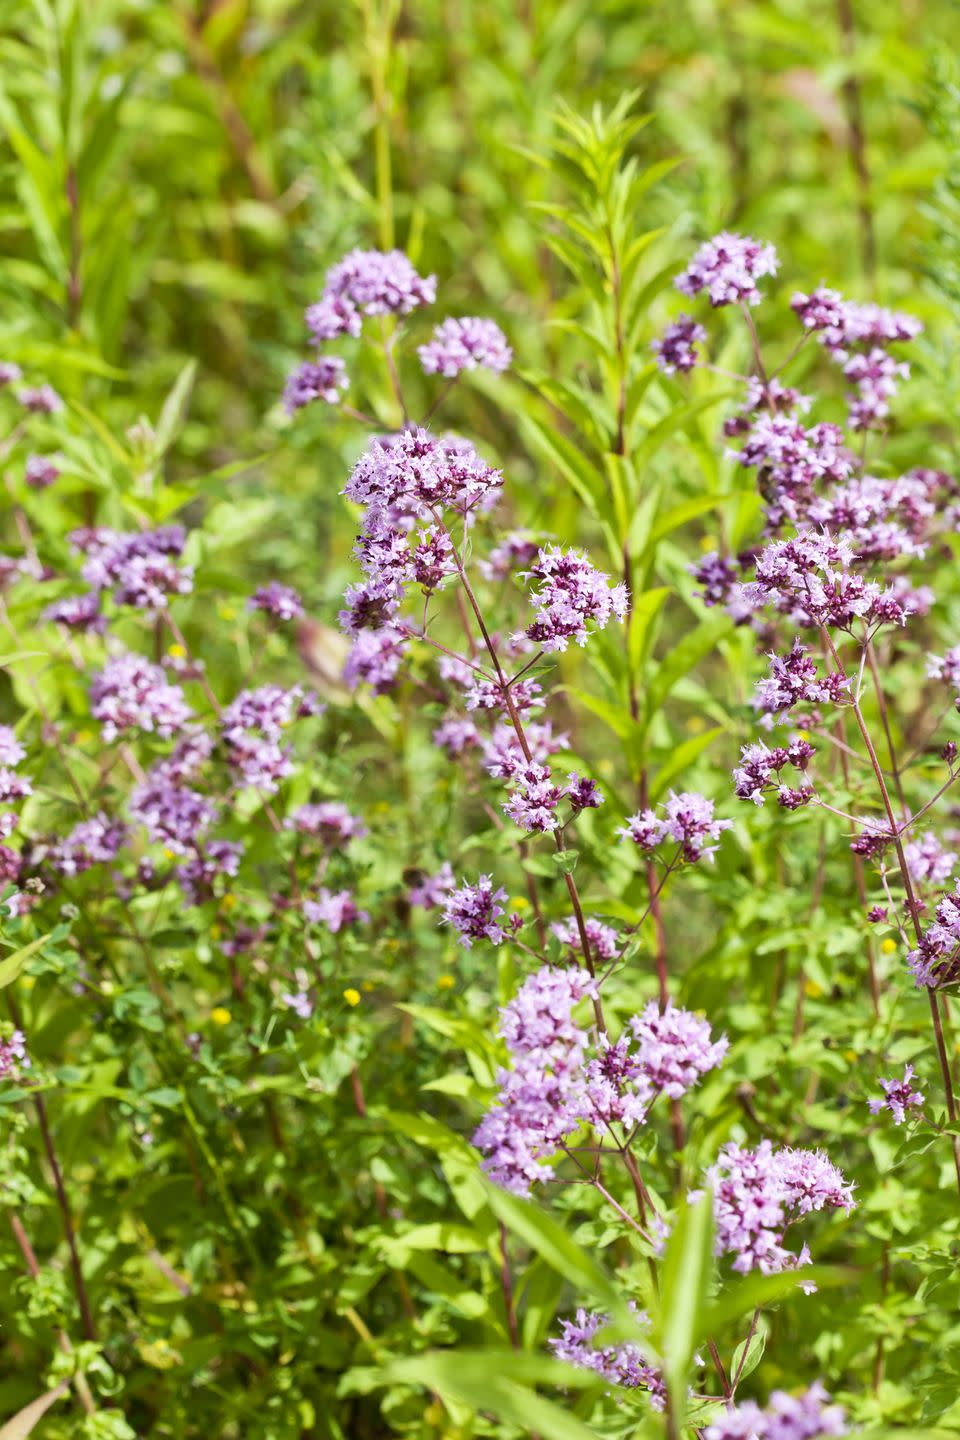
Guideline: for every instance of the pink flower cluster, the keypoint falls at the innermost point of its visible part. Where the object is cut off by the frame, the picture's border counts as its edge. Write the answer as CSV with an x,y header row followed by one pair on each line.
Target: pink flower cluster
x,y
687,821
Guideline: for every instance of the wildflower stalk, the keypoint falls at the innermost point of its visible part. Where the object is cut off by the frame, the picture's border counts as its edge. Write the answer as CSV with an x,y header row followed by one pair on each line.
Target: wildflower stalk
x,y
912,906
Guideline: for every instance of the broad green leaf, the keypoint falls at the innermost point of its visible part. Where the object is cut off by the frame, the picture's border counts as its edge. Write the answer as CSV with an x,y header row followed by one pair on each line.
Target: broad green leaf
x,y
643,612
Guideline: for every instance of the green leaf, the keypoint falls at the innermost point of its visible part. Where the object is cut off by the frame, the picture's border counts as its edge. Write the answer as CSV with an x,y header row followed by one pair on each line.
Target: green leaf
x,y
685,1281
756,1290
680,758
174,411
683,657
643,611
550,1240
584,477
11,965
499,1381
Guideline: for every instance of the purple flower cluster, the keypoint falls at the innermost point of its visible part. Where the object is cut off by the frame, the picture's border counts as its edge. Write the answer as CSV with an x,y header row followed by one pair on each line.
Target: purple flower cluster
x,y
252,725
571,594
431,892
539,1103
793,680
604,940
328,821
41,471
131,693
534,801
687,821
95,841
787,1417
936,960
899,1096
675,1048
14,1059
808,578
173,814
139,567
458,345
758,1193
928,861
728,268
279,601
758,773
322,379
675,350
621,1364
375,282
857,336
334,910
474,911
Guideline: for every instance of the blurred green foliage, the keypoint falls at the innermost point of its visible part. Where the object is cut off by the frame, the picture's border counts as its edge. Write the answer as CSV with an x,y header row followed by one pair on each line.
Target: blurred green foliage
x,y
175,178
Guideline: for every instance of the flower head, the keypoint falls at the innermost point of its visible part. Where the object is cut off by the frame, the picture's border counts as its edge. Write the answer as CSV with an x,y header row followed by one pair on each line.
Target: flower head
x,y
728,268
458,345
898,1097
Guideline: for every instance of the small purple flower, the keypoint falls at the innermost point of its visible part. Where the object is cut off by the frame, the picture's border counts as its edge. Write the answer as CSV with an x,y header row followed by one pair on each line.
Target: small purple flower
x,y
91,842
78,612
172,815
40,400
474,912
280,601
328,821
621,1364
9,373
899,1096
458,345
322,379
675,350
131,693
11,751
335,911
533,803
787,1417
14,1059
375,658
571,594
688,821
727,268
759,772
602,939
456,734
333,316
432,890
675,1048
299,1002
928,861
41,471
379,282
582,792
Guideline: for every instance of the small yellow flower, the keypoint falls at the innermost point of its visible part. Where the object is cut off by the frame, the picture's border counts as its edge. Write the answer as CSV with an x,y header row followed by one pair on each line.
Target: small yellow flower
x,y
520,902
215,932
813,989
707,543
83,736
227,612
850,1055
351,996
368,987
446,982
888,946
27,982
220,1015
177,651
228,902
